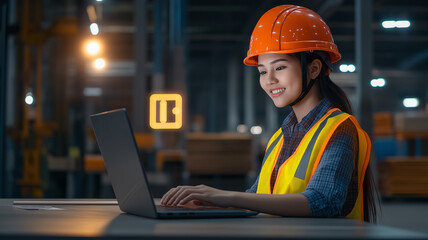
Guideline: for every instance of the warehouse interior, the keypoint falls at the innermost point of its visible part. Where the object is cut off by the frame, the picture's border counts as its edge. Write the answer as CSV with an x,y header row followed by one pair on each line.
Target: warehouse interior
x,y
62,61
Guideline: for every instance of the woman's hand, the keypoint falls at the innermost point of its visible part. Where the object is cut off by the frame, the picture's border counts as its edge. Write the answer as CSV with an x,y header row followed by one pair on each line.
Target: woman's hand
x,y
200,195
278,204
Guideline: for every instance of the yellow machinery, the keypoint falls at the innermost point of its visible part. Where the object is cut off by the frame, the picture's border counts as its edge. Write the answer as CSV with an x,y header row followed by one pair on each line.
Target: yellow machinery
x,y
33,131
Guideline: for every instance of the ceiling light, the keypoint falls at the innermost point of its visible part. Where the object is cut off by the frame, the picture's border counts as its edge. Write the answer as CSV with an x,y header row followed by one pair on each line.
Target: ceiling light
x,y
29,99
396,24
94,28
378,82
388,24
347,68
403,24
93,48
411,102
99,63
256,130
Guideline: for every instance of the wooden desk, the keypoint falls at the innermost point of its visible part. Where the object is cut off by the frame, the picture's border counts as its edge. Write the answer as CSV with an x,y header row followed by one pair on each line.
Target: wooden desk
x,y
108,222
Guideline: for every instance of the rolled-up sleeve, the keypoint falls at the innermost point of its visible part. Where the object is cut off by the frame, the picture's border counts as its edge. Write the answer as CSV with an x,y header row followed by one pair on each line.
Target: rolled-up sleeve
x,y
327,190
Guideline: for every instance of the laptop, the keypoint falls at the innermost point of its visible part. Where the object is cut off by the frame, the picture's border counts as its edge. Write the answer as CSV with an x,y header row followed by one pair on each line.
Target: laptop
x,y
124,167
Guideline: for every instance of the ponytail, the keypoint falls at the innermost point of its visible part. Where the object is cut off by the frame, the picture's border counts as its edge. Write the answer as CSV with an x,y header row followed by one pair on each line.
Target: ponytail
x,y
338,98
328,88
370,194
334,93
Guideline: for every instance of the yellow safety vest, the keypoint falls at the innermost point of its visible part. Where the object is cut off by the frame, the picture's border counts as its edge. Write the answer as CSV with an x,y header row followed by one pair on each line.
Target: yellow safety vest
x,y
295,173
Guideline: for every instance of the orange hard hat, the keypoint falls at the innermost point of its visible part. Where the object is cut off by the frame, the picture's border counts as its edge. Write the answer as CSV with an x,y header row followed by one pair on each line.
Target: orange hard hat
x,y
290,29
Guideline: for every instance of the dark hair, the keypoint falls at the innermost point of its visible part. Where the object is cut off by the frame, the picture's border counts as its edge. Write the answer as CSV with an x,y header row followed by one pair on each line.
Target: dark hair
x,y
370,197
329,89
338,98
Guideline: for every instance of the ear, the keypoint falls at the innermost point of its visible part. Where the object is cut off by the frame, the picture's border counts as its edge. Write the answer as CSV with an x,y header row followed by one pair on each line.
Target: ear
x,y
314,69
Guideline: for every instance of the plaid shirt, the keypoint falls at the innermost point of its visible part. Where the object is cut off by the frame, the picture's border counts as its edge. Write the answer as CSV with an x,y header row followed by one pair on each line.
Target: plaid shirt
x,y
333,188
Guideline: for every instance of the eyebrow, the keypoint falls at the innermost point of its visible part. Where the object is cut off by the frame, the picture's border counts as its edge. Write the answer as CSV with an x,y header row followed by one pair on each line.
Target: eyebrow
x,y
274,61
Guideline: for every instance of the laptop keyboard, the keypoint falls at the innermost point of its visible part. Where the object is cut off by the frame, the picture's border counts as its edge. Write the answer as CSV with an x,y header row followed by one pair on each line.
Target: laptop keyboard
x,y
165,208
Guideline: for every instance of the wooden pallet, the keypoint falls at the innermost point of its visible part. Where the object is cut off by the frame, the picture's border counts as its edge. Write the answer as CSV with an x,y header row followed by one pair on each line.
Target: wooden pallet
x,y
219,153
404,176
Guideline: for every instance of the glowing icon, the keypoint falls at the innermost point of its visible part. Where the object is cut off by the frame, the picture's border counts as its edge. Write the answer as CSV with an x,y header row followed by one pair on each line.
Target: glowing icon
x,y
170,111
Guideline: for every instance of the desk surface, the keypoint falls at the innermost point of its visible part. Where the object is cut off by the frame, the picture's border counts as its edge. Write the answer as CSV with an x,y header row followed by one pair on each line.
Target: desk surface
x,y
108,222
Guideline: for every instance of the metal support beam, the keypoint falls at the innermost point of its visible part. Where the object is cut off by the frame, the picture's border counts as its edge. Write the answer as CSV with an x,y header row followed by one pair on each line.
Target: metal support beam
x,y
158,79
158,70
178,49
213,93
178,57
139,89
232,94
11,105
249,104
3,56
77,114
426,97
364,60
176,23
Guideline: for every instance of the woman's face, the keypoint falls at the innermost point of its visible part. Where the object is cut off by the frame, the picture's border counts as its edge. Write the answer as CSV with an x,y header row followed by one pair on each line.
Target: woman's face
x,y
280,77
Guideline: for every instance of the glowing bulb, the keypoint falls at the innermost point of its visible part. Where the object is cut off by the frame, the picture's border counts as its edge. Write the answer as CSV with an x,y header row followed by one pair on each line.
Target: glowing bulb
x,y
388,24
99,63
378,82
351,68
93,48
347,68
256,130
396,24
381,82
402,24
411,102
94,28
29,98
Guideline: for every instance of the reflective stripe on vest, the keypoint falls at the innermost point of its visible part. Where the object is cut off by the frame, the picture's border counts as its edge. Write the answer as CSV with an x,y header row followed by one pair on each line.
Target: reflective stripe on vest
x,y
295,173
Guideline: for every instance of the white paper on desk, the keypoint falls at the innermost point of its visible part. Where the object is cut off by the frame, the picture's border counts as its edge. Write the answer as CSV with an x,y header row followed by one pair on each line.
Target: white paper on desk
x,y
37,207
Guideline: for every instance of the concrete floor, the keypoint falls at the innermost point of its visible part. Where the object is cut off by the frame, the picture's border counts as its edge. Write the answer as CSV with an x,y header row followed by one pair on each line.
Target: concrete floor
x,y
406,214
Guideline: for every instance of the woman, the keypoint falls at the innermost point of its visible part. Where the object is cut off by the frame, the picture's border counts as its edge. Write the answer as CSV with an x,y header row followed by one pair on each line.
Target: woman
x,y
316,164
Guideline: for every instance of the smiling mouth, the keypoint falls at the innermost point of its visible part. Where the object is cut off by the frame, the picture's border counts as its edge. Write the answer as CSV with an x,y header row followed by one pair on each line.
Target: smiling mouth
x,y
276,91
